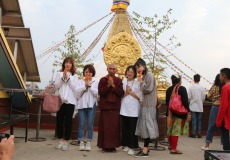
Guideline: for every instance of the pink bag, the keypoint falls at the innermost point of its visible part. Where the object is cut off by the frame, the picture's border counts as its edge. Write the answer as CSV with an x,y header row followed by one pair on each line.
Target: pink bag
x,y
52,103
175,104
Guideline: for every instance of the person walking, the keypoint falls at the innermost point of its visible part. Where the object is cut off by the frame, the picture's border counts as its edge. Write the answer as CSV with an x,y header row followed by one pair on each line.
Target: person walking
x,y
214,96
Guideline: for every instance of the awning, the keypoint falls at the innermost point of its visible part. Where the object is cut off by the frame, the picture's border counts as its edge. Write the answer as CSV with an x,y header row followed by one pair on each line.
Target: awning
x,y
19,39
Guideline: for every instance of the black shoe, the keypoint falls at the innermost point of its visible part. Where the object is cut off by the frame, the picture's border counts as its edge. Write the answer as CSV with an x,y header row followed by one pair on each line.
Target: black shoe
x,y
142,154
192,136
199,136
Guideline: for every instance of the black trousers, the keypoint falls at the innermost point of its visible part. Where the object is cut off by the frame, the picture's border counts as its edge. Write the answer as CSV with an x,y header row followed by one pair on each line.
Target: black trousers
x,y
128,132
146,142
225,138
64,121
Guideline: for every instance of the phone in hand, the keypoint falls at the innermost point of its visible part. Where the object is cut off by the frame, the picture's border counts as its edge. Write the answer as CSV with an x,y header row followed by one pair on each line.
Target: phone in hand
x,y
4,135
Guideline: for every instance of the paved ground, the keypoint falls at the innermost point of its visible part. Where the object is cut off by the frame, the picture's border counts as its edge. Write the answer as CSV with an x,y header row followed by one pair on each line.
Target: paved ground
x,y
46,150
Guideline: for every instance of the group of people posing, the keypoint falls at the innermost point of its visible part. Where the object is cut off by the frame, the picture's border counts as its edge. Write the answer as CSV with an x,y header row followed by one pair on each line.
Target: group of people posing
x,y
131,103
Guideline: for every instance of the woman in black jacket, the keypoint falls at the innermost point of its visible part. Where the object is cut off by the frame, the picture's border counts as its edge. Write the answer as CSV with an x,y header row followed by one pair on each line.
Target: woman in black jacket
x,y
177,123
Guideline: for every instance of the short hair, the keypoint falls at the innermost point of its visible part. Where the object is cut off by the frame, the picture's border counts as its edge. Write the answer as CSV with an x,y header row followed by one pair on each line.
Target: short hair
x,y
175,79
134,70
91,69
141,62
196,78
226,72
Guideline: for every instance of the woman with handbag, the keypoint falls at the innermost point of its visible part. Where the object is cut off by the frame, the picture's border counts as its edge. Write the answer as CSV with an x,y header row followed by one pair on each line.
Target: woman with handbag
x,y
87,92
147,127
129,112
179,116
65,82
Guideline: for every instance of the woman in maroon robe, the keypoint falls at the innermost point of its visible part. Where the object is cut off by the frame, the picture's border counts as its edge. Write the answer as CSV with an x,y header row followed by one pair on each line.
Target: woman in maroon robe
x,y
111,91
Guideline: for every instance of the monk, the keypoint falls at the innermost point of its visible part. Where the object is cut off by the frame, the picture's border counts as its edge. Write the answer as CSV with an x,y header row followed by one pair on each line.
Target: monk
x,y
111,91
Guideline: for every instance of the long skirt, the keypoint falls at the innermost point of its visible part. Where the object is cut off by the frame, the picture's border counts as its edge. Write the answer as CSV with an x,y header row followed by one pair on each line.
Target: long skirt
x,y
109,129
147,124
176,128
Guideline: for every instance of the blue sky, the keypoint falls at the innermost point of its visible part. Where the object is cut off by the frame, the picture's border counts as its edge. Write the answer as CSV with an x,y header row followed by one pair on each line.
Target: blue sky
x,y
203,29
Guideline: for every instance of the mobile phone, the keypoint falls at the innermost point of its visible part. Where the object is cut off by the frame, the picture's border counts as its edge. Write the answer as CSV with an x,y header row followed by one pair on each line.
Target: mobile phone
x,y
4,135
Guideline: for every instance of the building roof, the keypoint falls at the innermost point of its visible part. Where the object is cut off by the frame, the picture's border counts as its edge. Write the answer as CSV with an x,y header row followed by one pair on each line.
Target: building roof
x,y
15,31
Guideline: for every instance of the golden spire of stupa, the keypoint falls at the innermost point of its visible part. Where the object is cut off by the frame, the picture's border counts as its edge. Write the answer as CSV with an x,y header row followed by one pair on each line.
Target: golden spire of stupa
x,y
121,47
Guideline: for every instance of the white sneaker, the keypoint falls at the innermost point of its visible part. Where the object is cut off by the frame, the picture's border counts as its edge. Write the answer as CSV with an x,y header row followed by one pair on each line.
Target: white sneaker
x,y
131,152
205,148
126,149
82,146
88,146
59,146
65,147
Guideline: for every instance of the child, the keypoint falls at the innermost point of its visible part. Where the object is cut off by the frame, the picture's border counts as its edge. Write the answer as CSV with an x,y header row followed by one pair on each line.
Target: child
x,y
223,117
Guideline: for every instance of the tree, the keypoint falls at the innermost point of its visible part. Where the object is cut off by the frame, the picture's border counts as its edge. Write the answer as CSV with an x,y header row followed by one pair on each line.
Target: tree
x,y
71,48
152,28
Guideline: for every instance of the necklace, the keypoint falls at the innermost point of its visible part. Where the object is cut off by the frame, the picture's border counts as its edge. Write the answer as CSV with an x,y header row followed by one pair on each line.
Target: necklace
x,y
128,82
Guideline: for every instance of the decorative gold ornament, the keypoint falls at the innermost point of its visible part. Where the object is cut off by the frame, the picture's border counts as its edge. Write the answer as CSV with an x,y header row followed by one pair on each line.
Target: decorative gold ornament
x,y
122,50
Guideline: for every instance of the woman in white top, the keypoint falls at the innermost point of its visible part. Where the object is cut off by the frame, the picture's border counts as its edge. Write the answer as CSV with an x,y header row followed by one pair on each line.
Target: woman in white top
x,y
129,112
64,81
87,91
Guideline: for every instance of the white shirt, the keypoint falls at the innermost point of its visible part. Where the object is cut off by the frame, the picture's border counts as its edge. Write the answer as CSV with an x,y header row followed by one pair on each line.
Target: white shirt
x,y
196,96
66,87
89,98
130,106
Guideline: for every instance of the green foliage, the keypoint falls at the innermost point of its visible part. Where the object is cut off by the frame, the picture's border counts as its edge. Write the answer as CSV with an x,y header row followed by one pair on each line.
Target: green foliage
x,y
152,28
71,48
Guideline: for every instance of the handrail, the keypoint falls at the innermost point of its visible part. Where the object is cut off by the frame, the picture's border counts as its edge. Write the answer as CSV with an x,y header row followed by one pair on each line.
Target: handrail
x,y
14,90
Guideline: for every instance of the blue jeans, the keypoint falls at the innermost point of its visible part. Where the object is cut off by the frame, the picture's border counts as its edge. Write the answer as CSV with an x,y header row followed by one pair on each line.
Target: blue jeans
x,y
225,138
83,114
196,122
212,123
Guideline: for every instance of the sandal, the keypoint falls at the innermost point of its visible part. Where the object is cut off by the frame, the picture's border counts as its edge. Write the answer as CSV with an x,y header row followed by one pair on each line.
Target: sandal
x,y
175,152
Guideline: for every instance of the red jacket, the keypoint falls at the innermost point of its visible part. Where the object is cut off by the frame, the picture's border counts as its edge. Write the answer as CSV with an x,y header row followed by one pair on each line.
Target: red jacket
x,y
223,116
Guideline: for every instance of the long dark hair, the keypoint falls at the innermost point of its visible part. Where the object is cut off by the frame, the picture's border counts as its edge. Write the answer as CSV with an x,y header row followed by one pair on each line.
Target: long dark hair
x,y
141,62
73,68
218,83
175,79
